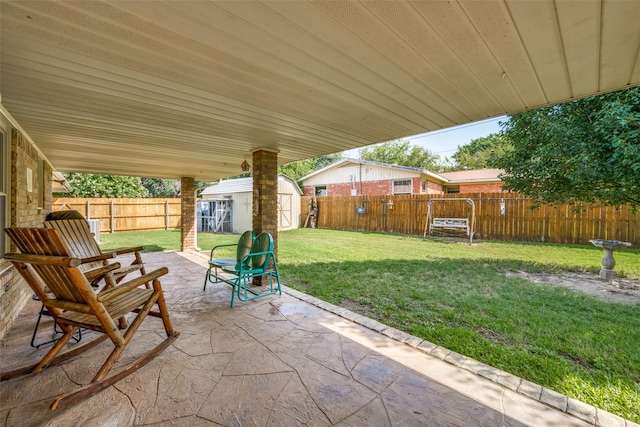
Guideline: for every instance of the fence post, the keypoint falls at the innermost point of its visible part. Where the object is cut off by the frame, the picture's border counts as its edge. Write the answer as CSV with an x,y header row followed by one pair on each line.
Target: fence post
x,y
166,214
112,216
88,209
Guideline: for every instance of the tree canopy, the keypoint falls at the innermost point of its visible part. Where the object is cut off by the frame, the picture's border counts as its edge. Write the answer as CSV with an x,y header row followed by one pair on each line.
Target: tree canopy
x,y
97,185
587,150
481,152
158,187
401,152
296,170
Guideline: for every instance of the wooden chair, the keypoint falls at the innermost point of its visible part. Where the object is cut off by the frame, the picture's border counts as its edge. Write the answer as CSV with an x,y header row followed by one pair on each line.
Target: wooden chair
x,y
254,265
80,242
44,261
77,236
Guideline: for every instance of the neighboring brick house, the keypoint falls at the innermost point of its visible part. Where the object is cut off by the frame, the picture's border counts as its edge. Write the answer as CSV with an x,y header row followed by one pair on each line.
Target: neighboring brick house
x,y
363,177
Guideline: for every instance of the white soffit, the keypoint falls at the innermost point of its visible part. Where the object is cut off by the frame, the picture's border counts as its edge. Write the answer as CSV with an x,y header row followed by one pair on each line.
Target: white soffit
x,y
191,88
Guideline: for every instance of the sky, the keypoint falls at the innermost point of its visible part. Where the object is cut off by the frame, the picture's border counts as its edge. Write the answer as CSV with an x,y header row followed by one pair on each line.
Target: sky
x,y
445,142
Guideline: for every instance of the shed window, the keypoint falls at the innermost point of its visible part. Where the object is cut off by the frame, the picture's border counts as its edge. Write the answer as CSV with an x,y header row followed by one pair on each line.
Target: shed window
x,y
402,186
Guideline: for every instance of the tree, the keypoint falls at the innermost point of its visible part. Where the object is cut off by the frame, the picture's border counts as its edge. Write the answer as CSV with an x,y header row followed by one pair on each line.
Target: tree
x,y
96,185
158,187
300,168
401,152
586,150
482,152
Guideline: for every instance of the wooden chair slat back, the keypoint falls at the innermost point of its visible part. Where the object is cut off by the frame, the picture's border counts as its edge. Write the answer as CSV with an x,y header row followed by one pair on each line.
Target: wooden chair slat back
x,y
61,281
77,237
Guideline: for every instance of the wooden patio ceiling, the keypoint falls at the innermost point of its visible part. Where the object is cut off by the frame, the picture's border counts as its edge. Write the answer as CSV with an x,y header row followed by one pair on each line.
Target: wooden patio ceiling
x,y
191,88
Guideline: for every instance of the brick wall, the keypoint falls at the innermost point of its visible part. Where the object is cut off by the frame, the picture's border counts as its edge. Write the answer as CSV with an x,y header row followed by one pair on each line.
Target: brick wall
x,y
376,188
342,189
416,185
385,187
373,188
433,188
25,212
495,187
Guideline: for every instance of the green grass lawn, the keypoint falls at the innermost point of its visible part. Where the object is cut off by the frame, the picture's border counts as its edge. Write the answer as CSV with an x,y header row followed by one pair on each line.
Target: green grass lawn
x,y
459,297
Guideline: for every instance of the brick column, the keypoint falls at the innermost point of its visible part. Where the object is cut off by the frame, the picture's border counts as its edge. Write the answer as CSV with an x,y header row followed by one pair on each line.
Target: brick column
x,y
265,194
188,213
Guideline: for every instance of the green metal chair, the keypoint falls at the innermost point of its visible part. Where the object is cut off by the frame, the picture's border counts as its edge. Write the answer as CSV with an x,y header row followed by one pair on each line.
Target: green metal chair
x,y
255,264
243,247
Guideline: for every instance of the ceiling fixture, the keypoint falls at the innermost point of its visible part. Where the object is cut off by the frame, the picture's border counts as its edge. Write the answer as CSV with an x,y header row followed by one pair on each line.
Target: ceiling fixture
x,y
245,166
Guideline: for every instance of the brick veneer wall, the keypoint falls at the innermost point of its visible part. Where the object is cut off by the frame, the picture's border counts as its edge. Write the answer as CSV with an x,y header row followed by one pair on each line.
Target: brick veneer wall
x,y
385,187
373,188
25,212
495,187
434,188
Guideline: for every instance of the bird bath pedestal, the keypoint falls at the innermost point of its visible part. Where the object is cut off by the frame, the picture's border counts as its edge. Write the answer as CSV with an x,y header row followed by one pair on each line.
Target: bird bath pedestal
x,y
608,262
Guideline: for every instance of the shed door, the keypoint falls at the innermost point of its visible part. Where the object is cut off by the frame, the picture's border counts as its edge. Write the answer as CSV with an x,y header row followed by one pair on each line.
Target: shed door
x,y
284,204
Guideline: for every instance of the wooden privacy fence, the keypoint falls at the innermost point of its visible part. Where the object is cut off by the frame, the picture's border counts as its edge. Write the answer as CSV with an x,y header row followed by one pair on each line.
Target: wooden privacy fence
x,y
499,216
125,214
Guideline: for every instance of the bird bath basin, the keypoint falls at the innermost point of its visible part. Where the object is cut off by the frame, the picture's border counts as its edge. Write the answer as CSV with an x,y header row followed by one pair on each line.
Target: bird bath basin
x,y
608,262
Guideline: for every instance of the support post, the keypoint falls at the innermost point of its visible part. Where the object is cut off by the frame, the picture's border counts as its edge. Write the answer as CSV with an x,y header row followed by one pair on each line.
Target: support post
x,y
188,213
265,194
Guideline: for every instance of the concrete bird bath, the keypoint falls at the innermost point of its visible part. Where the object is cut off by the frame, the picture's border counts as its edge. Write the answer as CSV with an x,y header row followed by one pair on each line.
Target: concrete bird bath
x,y
608,262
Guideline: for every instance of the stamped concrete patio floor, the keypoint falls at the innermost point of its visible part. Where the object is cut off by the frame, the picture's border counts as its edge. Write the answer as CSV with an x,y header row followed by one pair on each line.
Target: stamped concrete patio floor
x,y
284,360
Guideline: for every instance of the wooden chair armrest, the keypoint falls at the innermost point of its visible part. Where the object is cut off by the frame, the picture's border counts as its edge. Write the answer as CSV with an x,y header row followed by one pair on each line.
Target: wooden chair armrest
x,y
129,250
64,261
131,284
68,305
102,257
100,271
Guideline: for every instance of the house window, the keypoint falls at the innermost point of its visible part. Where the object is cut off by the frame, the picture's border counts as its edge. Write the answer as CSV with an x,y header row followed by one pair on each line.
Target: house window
x,y
424,186
455,189
321,190
402,186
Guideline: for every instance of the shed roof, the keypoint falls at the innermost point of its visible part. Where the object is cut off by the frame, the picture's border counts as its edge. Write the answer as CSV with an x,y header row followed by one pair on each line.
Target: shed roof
x,y
241,185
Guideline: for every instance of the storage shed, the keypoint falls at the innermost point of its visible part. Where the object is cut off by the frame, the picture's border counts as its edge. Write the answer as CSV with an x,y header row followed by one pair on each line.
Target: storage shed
x,y
227,206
